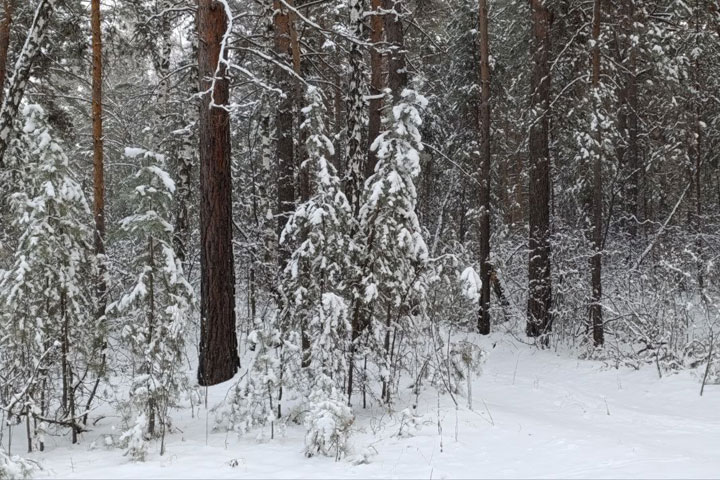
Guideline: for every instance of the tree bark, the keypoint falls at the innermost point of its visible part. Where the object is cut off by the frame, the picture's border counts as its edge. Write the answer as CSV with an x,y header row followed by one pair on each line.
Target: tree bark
x,y
632,160
97,132
356,163
21,74
5,43
284,125
218,340
596,317
484,173
397,68
376,84
540,285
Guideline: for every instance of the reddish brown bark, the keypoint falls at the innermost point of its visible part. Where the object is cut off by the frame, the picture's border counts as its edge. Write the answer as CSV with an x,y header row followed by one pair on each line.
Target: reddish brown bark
x,y
5,43
218,340
397,67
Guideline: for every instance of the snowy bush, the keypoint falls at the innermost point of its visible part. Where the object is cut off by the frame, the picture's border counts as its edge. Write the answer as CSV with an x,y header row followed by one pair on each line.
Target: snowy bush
x,y
253,400
135,439
328,423
14,467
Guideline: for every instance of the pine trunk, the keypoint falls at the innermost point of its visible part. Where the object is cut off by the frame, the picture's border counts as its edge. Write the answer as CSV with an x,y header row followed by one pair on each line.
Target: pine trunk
x,y
98,158
218,340
596,317
540,285
397,67
284,126
5,43
484,130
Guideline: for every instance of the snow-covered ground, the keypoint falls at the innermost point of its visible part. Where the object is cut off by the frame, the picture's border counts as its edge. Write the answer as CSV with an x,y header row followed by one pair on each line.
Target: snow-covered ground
x,y
535,414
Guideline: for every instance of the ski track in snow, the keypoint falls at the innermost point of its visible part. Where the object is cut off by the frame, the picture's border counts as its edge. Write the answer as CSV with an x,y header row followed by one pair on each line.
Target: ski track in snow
x,y
535,414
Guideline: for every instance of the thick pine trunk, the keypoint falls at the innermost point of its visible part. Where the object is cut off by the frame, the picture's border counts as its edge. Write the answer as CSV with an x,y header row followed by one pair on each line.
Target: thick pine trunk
x,y
218,340
540,285
21,74
596,317
484,130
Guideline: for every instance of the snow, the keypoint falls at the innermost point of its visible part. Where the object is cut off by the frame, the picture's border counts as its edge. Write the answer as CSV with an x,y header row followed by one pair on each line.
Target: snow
x,y
471,284
536,414
134,152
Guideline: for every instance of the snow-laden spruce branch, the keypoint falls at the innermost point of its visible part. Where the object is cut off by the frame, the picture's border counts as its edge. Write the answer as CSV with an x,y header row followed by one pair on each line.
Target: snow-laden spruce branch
x,y
21,75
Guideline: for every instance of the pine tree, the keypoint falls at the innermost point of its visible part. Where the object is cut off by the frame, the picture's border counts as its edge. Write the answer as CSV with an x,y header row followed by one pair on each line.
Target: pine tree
x,y
47,328
254,400
395,253
316,288
155,308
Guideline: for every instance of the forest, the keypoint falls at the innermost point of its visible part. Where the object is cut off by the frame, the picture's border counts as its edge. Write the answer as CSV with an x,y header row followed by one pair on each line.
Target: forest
x,y
273,238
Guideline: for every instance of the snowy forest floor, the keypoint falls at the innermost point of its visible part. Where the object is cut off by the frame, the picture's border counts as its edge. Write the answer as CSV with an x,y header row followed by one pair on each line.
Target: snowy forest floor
x,y
535,414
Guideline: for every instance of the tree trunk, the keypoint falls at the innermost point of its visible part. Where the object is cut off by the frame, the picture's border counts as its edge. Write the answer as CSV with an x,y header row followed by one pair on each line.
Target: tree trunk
x,y
21,74
98,187
631,119
596,319
98,158
540,285
151,406
397,68
183,142
218,340
356,164
376,84
697,153
5,43
484,173
284,126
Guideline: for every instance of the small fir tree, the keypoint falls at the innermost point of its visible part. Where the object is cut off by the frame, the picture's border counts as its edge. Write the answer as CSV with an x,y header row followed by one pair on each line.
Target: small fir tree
x,y
315,286
156,306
